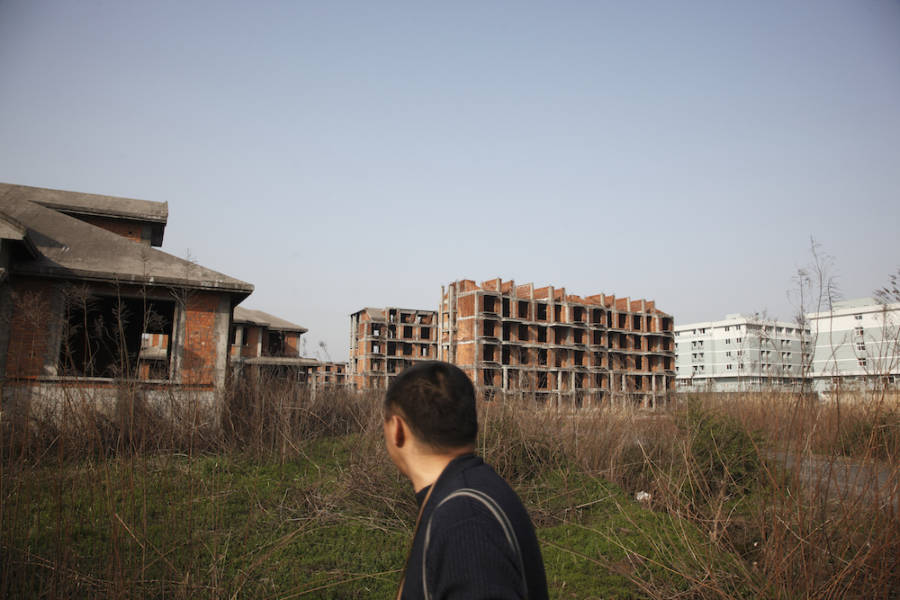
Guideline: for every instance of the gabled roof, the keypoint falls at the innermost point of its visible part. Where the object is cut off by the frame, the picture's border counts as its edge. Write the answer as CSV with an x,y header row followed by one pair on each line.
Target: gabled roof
x,y
264,319
91,204
10,229
85,206
72,249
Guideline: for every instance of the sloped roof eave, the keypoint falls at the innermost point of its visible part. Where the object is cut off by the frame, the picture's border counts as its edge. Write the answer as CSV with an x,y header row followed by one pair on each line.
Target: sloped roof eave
x,y
169,282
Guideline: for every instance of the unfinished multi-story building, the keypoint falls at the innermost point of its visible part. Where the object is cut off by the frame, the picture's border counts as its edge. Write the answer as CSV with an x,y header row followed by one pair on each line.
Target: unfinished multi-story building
x,y
557,346
331,374
384,341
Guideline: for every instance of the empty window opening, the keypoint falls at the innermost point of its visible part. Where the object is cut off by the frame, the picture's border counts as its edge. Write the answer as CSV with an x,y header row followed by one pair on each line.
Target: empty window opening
x,y
487,377
523,310
636,342
598,359
275,345
638,382
560,358
392,331
542,357
609,319
376,330
638,362
407,332
512,379
636,322
578,314
542,334
489,328
489,303
376,348
107,336
407,350
597,338
541,309
506,307
489,353
406,318
579,380
557,312
425,333
506,331
542,381
597,316
523,333
579,358
504,355
667,324
392,348
424,351
578,335
523,356
649,326
623,319
561,335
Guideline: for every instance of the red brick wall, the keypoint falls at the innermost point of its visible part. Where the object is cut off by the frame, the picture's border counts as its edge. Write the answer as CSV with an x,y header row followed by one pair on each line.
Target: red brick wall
x,y
199,361
132,231
465,306
31,323
292,344
252,335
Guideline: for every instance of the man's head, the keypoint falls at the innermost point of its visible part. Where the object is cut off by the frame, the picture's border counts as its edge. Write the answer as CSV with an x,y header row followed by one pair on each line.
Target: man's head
x,y
429,415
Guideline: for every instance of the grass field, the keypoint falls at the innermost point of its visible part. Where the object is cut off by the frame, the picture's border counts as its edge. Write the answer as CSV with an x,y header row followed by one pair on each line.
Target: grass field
x,y
295,497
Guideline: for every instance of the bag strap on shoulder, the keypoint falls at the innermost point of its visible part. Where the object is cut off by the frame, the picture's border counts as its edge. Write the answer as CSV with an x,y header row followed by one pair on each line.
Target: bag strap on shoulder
x,y
498,514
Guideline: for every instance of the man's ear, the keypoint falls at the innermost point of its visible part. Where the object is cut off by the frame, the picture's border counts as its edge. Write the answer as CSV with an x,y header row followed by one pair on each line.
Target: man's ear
x,y
398,430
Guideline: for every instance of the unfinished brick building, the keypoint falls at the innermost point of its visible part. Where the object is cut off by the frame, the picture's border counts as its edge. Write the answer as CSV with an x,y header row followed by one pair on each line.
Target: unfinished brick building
x,y
87,302
331,374
384,341
555,345
266,346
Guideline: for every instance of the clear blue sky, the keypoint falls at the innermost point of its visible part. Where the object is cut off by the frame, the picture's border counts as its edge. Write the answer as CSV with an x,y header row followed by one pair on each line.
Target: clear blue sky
x,y
340,155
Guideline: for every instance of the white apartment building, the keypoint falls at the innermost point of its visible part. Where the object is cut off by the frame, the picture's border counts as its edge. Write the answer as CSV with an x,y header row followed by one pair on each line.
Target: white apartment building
x,y
857,345
740,353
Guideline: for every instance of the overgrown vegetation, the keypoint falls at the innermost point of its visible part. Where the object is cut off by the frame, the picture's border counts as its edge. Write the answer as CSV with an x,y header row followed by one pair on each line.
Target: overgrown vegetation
x,y
761,495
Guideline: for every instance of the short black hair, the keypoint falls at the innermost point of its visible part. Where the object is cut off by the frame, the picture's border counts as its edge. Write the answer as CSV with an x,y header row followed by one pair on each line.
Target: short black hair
x,y
437,401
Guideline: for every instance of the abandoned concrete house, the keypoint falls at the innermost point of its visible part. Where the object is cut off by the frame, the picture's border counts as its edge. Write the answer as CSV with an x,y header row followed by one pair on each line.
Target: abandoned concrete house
x,y
545,342
265,346
86,299
384,341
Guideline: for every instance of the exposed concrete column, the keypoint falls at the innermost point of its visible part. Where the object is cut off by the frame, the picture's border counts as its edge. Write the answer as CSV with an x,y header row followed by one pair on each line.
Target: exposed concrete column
x,y
54,331
176,360
440,327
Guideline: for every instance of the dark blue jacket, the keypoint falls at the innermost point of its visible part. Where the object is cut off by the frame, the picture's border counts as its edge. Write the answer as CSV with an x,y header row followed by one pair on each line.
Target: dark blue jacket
x,y
468,554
